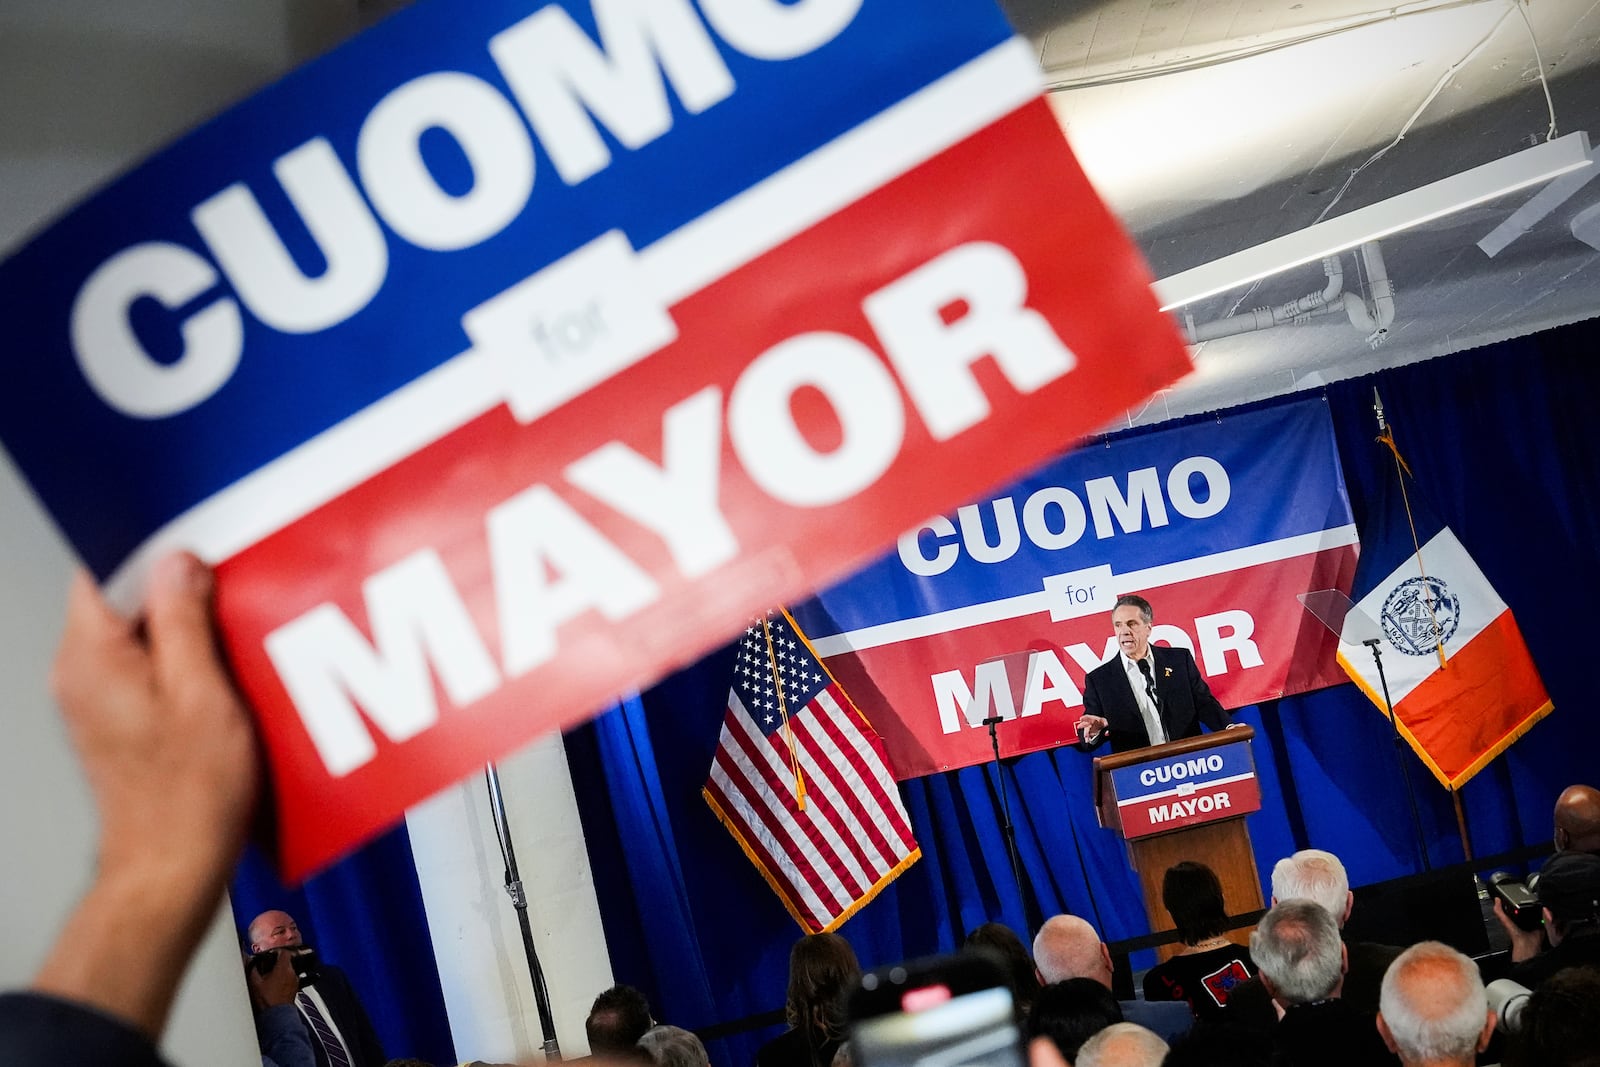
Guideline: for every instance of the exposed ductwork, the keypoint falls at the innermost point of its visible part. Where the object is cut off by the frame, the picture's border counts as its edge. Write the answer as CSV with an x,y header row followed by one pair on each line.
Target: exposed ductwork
x,y
1371,315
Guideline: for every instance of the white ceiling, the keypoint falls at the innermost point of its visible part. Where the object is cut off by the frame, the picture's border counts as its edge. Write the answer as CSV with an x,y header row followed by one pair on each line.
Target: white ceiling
x,y
1214,125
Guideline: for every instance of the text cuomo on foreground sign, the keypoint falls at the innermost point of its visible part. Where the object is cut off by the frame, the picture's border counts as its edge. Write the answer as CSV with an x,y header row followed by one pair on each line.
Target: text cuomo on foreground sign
x,y
505,359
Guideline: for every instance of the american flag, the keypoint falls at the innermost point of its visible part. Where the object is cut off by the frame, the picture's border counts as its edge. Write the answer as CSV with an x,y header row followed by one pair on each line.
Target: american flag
x,y
800,781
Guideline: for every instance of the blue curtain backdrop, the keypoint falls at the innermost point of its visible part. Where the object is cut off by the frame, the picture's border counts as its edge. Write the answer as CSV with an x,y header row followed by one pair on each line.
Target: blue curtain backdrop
x,y
365,915
1500,440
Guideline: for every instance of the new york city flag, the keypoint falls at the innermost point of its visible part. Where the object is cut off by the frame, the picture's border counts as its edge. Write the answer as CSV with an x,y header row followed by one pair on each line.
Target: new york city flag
x,y
1462,681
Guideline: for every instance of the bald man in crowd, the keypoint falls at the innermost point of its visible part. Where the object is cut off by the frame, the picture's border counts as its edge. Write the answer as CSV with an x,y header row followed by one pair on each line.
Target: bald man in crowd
x,y
1433,1010
341,1033
1122,1045
1068,947
1578,819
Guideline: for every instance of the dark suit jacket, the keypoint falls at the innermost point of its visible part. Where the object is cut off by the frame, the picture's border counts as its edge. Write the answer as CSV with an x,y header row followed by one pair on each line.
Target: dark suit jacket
x,y
42,1031
1186,700
351,1019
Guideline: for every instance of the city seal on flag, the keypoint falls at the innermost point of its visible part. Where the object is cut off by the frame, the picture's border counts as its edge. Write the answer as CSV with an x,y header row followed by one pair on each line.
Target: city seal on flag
x,y
1420,614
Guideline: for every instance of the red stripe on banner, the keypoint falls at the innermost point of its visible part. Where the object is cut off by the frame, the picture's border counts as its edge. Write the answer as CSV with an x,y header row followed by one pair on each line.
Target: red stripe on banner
x,y
1487,696
888,805
1219,802
791,867
782,791
1083,278
1242,607
782,876
843,813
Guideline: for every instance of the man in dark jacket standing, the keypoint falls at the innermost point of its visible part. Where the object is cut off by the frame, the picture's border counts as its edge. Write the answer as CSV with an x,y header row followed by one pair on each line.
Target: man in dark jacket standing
x,y
1146,694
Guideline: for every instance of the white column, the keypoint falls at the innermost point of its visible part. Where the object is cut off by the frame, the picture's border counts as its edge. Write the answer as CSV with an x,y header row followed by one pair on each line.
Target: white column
x,y
476,938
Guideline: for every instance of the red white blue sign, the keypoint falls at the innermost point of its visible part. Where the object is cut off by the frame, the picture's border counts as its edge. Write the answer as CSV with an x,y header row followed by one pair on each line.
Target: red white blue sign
x,y
1001,607
514,354
1178,791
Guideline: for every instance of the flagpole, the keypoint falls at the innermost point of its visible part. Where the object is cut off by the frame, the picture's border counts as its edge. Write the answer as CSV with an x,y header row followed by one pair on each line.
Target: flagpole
x,y
519,901
1399,751
1461,823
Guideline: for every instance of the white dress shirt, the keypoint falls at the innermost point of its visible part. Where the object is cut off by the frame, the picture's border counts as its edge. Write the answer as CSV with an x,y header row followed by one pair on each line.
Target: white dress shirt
x,y
1141,696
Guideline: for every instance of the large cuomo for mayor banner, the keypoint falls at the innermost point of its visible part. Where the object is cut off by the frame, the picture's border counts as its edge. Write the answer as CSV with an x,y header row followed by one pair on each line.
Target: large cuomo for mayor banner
x,y
514,354
1000,608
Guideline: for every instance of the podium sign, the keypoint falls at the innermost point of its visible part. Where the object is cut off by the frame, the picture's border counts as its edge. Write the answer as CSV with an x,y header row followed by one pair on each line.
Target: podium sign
x,y
1171,791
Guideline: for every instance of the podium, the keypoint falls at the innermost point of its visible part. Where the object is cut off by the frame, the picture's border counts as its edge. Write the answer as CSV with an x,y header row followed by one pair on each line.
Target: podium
x,y
1185,800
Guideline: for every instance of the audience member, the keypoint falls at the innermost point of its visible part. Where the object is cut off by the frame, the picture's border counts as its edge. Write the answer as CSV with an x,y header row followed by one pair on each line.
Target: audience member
x,y
1434,1012
1071,1012
1068,947
618,1018
1578,819
1221,1045
822,969
1569,890
1210,967
1312,874
172,763
673,1046
1560,1027
844,1055
282,1035
1122,1045
1302,963
1002,945
333,1015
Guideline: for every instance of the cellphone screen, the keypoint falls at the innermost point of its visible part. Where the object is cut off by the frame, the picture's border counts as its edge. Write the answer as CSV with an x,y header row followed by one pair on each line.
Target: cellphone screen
x,y
937,1028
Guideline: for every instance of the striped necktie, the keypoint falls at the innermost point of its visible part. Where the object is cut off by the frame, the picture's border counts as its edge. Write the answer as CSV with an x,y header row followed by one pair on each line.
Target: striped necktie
x,y
332,1047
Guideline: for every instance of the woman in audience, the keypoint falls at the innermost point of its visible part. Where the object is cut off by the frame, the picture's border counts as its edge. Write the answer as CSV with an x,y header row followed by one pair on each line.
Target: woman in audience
x,y
1002,945
1210,965
822,969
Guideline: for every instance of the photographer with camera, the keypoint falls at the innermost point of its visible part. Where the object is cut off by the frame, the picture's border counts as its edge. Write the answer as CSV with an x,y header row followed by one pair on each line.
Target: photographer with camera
x,y
341,1034
284,1039
1567,899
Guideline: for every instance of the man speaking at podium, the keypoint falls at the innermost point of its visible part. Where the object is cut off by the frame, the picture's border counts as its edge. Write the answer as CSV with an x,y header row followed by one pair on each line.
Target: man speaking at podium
x,y
1146,694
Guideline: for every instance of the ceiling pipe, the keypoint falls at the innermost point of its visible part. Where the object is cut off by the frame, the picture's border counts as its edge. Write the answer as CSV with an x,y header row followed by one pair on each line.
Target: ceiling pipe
x,y
1373,315
1295,311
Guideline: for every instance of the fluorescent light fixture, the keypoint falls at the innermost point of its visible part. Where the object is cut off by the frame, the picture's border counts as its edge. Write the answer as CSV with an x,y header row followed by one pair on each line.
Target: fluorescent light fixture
x,y
1459,191
1534,211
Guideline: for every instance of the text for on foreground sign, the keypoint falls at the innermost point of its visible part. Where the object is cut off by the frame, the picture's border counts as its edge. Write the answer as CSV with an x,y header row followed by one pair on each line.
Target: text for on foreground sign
x,y
505,359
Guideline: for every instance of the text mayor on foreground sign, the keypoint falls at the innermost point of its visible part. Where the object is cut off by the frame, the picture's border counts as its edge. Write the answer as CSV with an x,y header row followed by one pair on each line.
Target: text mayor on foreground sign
x,y
1001,607
511,355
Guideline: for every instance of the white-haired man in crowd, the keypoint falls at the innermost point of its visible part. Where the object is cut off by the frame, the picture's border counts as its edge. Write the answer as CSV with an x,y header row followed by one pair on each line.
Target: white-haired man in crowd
x,y
1433,1010
1302,964
1122,1045
1318,876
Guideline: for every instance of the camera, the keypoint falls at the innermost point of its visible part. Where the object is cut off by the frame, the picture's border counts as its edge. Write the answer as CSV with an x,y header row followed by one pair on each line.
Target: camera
x,y
303,960
1519,900
1507,999
954,1011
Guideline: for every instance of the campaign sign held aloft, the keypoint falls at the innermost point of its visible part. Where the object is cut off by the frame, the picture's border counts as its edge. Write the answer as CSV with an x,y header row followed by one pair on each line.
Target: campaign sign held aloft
x,y
514,353
1001,607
